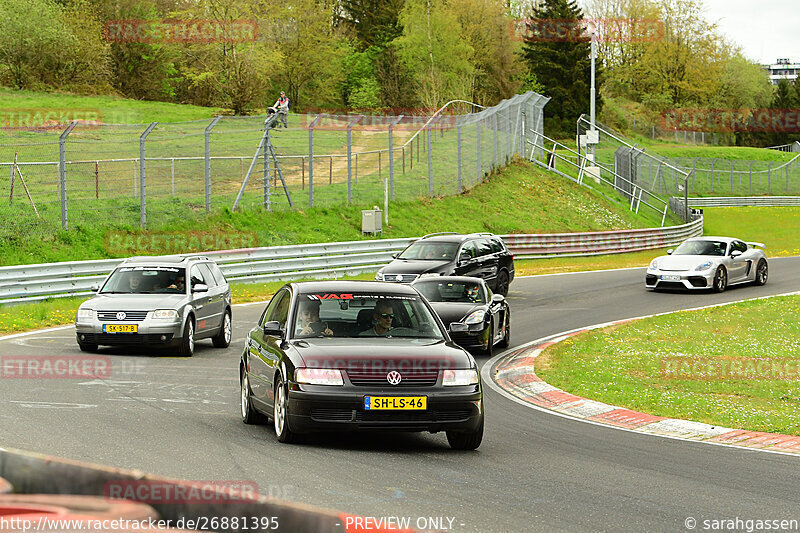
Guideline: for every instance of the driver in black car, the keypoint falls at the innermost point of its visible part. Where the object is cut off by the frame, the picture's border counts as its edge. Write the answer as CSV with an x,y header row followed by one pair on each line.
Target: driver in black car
x,y
308,322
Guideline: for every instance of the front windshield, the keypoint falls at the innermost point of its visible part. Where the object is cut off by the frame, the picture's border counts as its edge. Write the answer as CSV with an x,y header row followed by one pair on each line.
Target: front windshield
x,y
430,251
146,280
449,291
330,314
701,247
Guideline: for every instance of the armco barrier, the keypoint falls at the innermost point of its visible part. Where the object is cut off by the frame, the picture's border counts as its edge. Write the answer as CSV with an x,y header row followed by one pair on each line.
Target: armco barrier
x,y
600,242
745,201
36,473
22,283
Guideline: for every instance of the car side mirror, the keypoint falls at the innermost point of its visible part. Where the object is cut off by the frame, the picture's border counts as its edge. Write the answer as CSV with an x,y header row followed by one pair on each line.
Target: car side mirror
x,y
463,258
200,287
394,255
669,252
94,288
736,253
498,298
458,327
273,327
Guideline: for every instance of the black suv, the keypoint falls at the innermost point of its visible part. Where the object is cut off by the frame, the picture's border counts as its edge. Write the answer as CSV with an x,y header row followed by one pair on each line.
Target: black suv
x,y
481,255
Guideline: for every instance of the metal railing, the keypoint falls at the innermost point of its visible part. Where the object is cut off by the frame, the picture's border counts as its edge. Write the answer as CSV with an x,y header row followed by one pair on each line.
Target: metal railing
x,y
746,201
22,283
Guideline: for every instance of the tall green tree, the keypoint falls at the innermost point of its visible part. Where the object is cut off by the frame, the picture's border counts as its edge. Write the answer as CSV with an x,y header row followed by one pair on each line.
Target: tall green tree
x,y
562,67
485,25
375,23
435,53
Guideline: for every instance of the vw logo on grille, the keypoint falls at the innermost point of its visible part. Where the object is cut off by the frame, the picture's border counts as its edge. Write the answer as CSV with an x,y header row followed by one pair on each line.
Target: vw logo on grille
x,y
399,277
121,315
394,378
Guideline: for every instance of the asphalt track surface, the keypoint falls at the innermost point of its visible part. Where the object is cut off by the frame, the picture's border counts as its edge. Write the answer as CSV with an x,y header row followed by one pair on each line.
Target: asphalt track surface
x,y
534,471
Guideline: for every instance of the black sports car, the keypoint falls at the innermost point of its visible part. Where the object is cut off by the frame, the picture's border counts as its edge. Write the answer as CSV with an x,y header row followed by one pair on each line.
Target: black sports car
x,y
466,300
350,355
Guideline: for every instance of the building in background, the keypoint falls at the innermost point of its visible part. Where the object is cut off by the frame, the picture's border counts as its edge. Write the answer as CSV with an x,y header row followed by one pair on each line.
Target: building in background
x,y
783,69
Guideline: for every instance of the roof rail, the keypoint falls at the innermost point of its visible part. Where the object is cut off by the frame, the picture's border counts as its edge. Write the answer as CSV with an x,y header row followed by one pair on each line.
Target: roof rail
x,y
190,257
439,233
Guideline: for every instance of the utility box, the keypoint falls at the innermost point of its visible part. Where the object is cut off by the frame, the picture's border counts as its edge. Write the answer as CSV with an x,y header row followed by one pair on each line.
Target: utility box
x,y
372,221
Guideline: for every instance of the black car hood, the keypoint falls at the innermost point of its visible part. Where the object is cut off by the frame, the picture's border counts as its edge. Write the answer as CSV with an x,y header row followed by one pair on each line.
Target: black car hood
x,y
381,353
411,266
455,311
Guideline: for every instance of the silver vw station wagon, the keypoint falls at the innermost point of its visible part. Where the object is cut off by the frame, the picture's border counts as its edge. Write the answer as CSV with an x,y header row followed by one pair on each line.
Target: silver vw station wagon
x,y
165,302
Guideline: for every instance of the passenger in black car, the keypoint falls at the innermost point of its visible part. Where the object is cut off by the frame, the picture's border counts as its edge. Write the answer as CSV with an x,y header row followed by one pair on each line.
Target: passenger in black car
x,y
308,321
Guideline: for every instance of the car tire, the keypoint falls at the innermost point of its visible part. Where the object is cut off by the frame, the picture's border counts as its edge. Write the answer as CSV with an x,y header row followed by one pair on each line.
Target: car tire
x,y
762,273
249,413
186,347
87,347
501,286
488,350
720,279
280,413
507,334
223,338
465,441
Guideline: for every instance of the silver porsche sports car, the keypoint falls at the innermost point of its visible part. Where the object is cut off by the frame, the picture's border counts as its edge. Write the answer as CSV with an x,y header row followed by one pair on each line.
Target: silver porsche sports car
x,y
709,263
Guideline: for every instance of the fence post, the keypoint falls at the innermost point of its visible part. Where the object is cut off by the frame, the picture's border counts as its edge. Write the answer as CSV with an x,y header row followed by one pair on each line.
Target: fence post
x,y
97,180
480,163
731,176
208,162
430,159
311,160
62,171
460,177
751,177
172,174
391,155
350,125
494,127
713,161
769,178
143,176
787,177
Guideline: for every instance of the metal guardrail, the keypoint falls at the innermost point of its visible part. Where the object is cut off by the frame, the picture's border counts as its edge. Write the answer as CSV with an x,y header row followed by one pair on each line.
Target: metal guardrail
x,y
24,283
745,201
599,242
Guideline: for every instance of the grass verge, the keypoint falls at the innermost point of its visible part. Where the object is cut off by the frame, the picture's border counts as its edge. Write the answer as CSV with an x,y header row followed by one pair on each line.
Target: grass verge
x,y
748,377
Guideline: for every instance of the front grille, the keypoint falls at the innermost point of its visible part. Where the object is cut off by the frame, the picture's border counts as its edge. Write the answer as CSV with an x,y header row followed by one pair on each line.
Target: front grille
x,y
403,278
465,339
124,338
130,316
372,379
352,415
698,281
412,416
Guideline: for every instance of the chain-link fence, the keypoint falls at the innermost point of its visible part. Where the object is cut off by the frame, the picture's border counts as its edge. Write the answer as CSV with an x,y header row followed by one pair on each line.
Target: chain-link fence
x,y
695,176
152,175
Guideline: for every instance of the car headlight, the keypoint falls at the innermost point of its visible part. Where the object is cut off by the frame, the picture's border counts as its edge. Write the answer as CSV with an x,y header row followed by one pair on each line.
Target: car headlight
x,y
379,275
85,313
704,266
653,264
460,377
475,317
165,314
318,376
430,274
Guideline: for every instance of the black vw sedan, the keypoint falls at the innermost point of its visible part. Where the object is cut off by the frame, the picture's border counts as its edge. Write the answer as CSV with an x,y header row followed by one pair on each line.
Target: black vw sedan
x,y
467,300
352,356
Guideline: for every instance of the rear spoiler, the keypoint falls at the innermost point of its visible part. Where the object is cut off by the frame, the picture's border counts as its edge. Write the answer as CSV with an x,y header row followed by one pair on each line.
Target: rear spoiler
x,y
759,244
